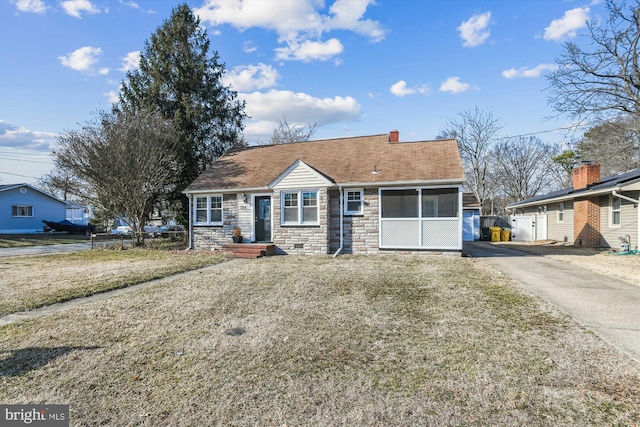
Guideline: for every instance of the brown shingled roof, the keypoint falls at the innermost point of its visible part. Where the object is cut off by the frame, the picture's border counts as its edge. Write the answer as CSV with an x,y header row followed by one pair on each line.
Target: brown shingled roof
x,y
344,160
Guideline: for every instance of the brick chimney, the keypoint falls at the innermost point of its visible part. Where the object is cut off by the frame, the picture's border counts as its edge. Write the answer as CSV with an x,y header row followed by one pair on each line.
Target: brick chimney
x,y
585,175
394,137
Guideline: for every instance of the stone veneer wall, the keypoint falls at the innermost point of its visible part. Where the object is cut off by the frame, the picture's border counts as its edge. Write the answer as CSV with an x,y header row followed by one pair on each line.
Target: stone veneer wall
x,y
300,239
212,237
361,234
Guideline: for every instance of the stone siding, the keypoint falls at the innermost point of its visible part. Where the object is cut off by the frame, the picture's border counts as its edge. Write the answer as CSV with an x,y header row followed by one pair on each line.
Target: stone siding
x,y
361,232
212,237
301,239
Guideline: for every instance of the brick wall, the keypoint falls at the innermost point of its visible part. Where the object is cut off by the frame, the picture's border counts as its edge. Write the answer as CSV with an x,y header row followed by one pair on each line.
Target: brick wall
x,y
586,222
302,240
585,175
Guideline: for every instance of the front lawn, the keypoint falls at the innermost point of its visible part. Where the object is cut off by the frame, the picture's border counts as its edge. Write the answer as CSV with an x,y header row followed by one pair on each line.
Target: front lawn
x,y
322,341
34,281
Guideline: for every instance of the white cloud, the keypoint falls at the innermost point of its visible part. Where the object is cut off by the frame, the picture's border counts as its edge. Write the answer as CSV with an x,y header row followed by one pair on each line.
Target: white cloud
x,y
33,6
298,23
454,85
400,89
249,47
81,59
474,31
12,136
251,77
528,72
74,7
308,51
112,96
103,71
130,62
568,25
267,108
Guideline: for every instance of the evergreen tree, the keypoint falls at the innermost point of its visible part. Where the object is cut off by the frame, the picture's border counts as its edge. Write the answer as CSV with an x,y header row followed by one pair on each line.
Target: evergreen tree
x,y
181,78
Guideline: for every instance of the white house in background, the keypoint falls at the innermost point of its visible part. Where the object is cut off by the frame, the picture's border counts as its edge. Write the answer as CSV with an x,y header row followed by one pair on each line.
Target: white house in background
x,y
360,195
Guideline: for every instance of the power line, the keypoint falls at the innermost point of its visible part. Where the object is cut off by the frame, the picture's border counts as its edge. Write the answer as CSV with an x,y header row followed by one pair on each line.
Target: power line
x,y
23,176
16,159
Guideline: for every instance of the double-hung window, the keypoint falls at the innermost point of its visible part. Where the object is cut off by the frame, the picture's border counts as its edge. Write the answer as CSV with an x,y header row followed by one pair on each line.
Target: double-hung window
x,y
353,201
561,212
616,211
208,210
299,207
22,211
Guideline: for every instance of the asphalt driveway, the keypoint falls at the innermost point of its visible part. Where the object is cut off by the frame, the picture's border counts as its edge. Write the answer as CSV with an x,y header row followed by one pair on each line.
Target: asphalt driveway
x,y
607,306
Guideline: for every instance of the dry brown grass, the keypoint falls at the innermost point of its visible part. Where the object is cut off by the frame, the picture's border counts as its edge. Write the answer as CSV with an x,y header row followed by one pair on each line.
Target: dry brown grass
x,y
623,267
22,240
322,341
35,281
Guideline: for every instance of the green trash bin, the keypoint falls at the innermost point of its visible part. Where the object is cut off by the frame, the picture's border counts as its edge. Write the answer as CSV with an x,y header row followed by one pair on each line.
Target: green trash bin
x,y
505,235
495,233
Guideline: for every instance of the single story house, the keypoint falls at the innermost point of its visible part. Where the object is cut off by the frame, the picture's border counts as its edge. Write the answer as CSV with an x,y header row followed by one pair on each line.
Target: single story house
x,y
360,195
23,207
593,212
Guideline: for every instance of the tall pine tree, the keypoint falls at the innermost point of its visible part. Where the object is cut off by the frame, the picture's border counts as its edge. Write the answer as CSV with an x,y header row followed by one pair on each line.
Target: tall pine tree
x,y
181,78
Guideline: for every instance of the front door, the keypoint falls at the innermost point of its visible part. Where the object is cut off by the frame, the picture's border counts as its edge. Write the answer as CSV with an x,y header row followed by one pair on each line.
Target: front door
x,y
262,215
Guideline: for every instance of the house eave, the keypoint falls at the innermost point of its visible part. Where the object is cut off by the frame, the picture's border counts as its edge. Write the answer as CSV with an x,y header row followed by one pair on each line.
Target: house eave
x,y
402,183
228,190
564,198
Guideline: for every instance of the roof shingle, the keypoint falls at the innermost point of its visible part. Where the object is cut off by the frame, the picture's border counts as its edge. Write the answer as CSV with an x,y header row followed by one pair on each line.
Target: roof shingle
x,y
343,160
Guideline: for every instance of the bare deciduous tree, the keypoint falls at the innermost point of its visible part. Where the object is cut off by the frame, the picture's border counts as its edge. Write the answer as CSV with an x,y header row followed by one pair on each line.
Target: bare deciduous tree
x,y
287,132
615,145
475,131
603,80
126,161
60,183
522,166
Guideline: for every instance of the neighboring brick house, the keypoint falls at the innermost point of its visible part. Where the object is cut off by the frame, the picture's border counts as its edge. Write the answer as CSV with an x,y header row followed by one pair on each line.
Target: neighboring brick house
x,y
593,212
360,195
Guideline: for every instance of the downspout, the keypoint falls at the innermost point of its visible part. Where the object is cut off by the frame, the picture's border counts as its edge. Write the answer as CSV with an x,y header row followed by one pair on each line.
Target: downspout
x,y
190,247
341,223
635,202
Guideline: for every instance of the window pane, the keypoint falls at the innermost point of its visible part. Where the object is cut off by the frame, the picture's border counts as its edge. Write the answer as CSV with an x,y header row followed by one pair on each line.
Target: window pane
x,y
400,204
201,216
291,214
216,215
290,199
309,199
353,206
615,218
216,202
310,214
440,203
201,203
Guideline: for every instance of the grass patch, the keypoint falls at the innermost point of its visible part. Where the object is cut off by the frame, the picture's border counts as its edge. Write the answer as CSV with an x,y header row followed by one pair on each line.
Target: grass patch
x,y
322,341
35,281
22,240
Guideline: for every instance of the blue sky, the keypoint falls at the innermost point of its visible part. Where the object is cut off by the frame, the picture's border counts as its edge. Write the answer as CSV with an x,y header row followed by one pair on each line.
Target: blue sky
x,y
354,67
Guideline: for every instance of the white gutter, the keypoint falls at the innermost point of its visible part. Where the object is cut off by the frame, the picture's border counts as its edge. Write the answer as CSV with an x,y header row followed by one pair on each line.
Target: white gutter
x,y
402,183
341,223
636,203
625,197
229,190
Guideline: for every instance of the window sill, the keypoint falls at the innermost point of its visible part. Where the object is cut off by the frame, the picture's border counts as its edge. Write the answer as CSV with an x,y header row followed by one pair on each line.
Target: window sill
x,y
316,225
204,224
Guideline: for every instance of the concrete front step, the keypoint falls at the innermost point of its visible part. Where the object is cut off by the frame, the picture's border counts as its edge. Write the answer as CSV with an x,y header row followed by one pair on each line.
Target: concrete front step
x,y
248,250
